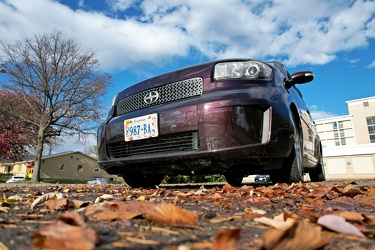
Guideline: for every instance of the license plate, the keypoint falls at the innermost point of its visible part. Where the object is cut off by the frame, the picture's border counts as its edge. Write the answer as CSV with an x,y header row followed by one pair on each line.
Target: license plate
x,y
142,127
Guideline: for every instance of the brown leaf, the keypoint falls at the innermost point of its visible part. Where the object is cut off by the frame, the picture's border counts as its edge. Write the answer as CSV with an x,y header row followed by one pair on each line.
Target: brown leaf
x,y
351,190
79,204
3,247
344,201
166,213
136,207
102,213
351,216
226,239
68,231
45,197
108,213
366,200
57,204
301,236
227,188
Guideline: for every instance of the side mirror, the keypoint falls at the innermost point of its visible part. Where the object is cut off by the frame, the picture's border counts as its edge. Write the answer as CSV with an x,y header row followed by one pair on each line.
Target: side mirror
x,y
300,77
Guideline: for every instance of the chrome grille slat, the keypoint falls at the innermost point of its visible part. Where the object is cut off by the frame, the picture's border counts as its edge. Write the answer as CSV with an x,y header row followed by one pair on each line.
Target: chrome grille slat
x,y
187,141
168,93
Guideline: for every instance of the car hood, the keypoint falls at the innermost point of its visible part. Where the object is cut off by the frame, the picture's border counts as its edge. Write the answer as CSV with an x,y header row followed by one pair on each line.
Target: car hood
x,y
204,70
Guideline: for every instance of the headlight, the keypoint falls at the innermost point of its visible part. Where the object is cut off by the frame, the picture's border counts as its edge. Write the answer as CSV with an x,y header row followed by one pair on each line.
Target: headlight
x,y
242,70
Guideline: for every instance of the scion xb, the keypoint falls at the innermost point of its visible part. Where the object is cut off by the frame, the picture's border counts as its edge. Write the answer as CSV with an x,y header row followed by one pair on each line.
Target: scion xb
x,y
234,117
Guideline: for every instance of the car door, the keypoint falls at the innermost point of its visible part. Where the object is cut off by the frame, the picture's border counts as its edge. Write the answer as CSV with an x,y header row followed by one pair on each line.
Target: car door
x,y
309,133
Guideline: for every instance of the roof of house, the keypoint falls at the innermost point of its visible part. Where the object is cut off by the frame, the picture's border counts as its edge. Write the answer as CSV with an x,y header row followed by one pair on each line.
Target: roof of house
x,y
32,158
66,153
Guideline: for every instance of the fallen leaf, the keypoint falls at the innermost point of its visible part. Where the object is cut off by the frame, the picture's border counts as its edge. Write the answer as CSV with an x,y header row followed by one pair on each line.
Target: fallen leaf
x,y
300,236
4,209
57,204
13,199
338,224
255,211
166,213
365,200
221,219
226,239
283,225
105,213
227,188
104,197
143,241
141,198
45,197
79,204
139,207
351,190
3,247
351,216
68,231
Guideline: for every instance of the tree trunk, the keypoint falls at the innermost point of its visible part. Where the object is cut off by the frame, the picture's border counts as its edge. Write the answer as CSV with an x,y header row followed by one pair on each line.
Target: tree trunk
x,y
38,156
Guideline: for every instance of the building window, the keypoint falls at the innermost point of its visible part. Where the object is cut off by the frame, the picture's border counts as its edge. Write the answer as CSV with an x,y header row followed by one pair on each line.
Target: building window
x,y
371,128
334,125
336,134
343,141
97,169
341,124
80,168
60,167
365,104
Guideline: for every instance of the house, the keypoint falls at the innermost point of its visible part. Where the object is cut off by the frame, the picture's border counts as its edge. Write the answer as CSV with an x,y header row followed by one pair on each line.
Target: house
x,y
349,141
68,165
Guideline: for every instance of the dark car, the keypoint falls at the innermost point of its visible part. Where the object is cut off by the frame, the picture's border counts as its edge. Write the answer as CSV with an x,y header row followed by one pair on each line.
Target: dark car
x,y
97,180
232,117
263,178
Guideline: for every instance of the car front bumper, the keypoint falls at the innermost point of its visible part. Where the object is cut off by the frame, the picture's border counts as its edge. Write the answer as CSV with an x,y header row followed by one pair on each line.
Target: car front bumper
x,y
203,135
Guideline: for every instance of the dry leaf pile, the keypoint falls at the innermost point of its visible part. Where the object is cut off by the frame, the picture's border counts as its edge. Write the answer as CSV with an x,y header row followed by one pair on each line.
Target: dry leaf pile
x,y
298,216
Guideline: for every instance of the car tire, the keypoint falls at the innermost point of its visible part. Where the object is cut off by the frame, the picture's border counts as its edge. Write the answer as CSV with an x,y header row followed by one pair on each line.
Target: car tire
x,y
140,180
234,180
317,174
292,170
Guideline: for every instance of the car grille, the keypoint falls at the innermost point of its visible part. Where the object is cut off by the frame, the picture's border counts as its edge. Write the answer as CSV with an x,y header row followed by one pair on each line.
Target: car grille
x,y
167,93
187,141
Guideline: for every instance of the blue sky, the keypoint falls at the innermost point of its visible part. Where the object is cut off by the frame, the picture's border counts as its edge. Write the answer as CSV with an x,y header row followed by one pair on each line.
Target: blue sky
x,y
135,39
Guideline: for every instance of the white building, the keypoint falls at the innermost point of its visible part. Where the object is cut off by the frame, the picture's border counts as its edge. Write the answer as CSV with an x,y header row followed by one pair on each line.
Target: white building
x,y
349,141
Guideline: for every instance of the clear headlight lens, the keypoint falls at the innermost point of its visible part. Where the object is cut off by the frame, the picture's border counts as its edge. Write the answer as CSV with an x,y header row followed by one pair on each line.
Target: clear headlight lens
x,y
242,70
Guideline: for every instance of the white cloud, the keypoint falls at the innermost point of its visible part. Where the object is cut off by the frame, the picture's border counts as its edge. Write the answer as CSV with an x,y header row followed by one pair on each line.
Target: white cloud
x,y
120,5
317,113
371,65
310,32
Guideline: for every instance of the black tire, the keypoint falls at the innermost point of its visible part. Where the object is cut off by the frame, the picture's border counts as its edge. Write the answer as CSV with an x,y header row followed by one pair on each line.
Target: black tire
x,y
139,180
317,174
234,180
292,170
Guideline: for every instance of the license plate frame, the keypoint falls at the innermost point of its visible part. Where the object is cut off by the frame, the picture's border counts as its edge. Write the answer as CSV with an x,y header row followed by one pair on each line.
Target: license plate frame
x,y
141,127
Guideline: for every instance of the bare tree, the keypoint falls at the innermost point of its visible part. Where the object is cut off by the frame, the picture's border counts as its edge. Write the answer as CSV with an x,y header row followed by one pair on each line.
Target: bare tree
x,y
64,82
